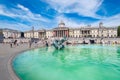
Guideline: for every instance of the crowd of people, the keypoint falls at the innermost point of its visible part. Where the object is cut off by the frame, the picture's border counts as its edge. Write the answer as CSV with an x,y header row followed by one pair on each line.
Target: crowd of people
x,y
48,42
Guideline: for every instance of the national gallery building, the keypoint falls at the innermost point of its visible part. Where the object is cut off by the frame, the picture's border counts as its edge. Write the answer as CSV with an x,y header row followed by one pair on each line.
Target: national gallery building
x,y
83,32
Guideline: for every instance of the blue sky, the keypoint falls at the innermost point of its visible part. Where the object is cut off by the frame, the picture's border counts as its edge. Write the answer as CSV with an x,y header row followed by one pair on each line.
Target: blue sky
x,y
23,14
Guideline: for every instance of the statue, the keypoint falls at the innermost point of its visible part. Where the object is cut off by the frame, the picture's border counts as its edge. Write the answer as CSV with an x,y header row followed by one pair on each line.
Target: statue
x,y
58,44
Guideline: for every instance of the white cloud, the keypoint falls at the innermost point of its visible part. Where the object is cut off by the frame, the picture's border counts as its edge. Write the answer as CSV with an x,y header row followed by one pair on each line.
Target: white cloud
x,y
112,21
82,7
22,7
5,12
68,22
15,26
27,14
22,13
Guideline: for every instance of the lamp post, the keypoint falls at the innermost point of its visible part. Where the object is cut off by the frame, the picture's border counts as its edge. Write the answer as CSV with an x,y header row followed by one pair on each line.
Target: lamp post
x,y
33,32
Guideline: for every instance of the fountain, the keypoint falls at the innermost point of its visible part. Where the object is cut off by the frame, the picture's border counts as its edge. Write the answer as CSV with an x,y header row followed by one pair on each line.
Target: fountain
x,y
58,44
79,62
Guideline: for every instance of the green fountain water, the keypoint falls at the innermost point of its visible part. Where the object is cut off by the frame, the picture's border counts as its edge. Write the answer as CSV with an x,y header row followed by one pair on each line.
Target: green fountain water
x,y
82,62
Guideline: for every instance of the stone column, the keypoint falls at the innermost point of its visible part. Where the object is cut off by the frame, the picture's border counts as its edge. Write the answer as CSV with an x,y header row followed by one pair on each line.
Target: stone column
x,y
62,33
56,33
65,33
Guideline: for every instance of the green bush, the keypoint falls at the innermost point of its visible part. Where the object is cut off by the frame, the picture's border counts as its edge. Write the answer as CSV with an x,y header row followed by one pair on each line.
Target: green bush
x,y
118,31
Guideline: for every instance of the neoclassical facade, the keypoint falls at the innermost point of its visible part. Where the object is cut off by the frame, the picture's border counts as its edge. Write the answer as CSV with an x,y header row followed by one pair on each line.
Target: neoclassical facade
x,y
61,30
36,34
9,33
83,32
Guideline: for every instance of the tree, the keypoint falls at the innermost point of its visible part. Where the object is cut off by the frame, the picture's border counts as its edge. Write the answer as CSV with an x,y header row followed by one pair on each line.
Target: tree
x,y
118,31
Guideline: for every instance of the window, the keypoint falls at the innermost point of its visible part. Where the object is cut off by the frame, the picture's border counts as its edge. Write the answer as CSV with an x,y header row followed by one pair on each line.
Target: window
x,y
97,35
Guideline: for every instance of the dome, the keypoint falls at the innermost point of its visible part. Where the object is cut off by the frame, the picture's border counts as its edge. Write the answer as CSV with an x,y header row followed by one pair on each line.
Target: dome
x,y
100,25
61,24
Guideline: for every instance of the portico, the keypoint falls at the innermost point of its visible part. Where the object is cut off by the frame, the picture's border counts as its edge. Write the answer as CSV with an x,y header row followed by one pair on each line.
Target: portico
x,y
86,33
61,30
61,33
42,34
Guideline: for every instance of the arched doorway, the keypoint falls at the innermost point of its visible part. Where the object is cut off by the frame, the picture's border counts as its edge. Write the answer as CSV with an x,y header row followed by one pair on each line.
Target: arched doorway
x,y
22,34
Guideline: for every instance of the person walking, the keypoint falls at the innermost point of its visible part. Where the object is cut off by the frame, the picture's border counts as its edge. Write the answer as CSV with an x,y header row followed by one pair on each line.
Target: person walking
x,y
46,43
30,43
11,44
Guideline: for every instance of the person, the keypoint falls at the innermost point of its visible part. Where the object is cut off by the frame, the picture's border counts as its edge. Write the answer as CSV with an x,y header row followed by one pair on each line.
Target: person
x,y
30,43
15,42
11,44
46,43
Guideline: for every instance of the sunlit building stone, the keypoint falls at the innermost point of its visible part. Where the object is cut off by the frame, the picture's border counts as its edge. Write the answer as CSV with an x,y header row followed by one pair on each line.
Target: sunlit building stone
x,y
62,30
9,33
